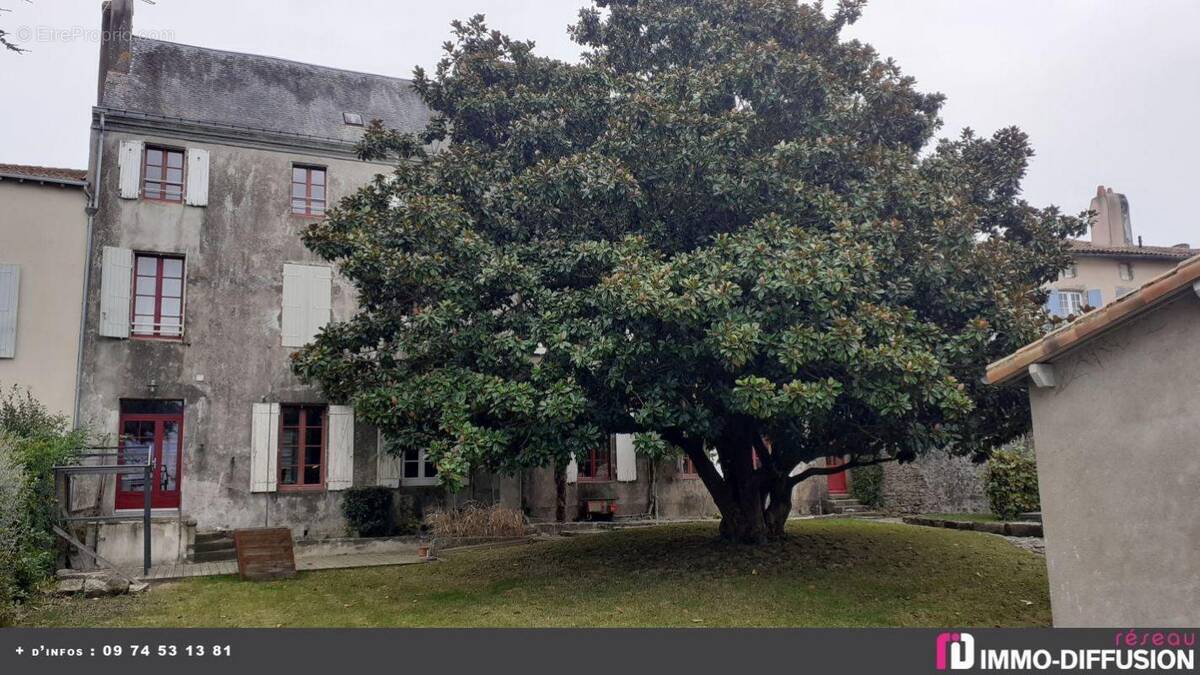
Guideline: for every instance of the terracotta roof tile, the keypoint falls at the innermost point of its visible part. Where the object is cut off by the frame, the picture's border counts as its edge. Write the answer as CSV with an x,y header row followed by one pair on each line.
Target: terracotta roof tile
x,y
1083,247
42,173
1155,292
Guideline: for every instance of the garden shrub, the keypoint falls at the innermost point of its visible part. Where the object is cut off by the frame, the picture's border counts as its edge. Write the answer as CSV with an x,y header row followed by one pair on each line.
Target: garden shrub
x,y
475,520
866,485
368,511
1010,481
32,442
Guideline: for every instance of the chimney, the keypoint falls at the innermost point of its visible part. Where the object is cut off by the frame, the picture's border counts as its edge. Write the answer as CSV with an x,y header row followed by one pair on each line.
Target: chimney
x,y
116,31
1111,225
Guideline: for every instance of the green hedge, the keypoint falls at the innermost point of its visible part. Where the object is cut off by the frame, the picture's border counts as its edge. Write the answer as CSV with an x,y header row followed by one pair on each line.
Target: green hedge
x,y
1010,481
368,511
866,484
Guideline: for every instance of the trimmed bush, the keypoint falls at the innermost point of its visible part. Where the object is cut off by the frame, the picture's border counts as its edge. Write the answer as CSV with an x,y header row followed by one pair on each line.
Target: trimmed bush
x,y
368,511
866,484
1010,481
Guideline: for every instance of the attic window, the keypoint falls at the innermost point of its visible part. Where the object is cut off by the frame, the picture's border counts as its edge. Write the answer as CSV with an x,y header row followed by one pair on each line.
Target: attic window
x,y
353,119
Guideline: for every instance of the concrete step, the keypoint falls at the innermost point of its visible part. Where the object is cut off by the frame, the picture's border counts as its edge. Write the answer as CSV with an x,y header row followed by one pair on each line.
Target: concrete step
x,y
212,545
213,536
215,555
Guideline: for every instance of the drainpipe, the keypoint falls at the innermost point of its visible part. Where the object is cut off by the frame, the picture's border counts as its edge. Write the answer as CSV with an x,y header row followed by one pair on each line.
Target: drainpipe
x,y
92,207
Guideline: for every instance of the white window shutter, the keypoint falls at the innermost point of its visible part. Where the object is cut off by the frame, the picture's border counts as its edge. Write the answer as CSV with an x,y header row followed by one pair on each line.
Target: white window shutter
x,y
307,302
10,293
320,300
295,292
626,458
129,164
573,471
339,451
388,466
116,280
197,177
264,447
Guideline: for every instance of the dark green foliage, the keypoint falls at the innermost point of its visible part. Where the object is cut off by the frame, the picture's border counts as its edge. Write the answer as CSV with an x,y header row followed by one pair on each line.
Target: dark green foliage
x,y
1011,484
866,485
32,442
724,228
368,510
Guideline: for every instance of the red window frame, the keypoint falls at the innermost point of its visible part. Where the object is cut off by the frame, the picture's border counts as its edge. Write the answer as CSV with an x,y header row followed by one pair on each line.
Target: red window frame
x,y
159,187
157,295
302,427
597,459
308,195
687,468
159,498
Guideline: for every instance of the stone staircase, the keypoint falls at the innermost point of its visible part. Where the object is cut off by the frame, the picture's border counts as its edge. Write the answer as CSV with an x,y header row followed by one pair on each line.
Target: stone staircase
x,y
844,504
212,547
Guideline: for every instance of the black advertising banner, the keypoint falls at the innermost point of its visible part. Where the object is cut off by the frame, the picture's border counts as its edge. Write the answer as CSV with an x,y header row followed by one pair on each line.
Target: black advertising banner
x,y
610,651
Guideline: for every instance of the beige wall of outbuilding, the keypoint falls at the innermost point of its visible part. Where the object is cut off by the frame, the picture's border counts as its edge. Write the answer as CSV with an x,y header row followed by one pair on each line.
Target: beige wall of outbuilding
x,y
1118,451
43,229
1102,272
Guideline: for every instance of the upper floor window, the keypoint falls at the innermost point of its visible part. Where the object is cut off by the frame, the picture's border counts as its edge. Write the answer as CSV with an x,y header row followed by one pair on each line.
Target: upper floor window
x,y
157,296
1125,270
1070,271
308,190
162,173
1072,302
302,445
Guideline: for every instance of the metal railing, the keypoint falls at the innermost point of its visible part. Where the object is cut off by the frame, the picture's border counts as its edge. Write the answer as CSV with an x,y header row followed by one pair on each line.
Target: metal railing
x,y
62,477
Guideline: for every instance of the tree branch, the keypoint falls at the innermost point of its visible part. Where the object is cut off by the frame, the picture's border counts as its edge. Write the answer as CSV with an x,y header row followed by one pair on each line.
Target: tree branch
x,y
829,470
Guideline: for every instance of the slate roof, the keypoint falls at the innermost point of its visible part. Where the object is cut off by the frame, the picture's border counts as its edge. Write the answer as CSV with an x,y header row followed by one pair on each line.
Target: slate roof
x,y
1183,278
46,174
258,92
1082,247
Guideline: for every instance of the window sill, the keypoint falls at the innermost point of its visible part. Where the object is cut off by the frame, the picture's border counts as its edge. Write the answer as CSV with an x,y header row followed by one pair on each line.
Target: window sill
x,y
687,476
595,480
157,200
418,482
300,488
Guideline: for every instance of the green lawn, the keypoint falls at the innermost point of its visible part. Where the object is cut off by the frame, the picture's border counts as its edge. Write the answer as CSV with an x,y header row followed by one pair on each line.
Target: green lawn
x,y
828,573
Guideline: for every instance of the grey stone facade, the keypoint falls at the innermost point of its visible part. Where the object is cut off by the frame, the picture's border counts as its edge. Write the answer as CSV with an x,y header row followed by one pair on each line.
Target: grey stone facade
x,y
934,483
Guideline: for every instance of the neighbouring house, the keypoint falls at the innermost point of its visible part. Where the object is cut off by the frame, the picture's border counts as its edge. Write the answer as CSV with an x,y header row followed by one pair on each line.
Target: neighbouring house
x,y
1115,398
43,242
207,166
1112,263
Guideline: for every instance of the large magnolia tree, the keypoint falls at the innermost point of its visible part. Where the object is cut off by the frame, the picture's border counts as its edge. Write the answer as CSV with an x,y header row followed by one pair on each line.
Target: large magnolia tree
x,y
723,230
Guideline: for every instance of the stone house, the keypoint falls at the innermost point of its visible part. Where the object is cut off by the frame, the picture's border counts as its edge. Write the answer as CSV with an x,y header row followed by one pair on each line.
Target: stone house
x,y
1112,263
43,240
206,167
1116,428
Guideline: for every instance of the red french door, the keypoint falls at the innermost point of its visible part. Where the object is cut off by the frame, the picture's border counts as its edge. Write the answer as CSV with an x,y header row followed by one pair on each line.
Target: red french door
x,y
836,481
159,435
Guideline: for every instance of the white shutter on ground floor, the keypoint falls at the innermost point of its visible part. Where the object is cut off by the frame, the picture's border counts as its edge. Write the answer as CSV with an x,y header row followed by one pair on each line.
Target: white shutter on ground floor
x,y
626,456
339,452
573,471
388,465
116,281
264,447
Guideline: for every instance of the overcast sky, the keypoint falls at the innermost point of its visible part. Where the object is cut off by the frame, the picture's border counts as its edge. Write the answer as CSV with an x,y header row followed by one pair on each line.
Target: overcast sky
x,y
1109,90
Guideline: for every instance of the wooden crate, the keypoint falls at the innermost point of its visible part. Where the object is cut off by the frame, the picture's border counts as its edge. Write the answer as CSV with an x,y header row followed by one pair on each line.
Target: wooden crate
x,y
265,553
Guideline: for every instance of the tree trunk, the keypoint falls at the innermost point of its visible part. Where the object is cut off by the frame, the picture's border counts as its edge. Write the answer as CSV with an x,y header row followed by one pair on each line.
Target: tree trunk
x,y
778,508
560,494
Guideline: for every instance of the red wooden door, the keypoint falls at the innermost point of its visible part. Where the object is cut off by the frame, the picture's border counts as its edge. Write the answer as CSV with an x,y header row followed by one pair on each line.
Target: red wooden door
x,y
836,481
157,435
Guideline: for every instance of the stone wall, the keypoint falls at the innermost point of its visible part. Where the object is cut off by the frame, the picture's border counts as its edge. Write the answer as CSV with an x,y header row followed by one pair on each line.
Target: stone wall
x,y
935,483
